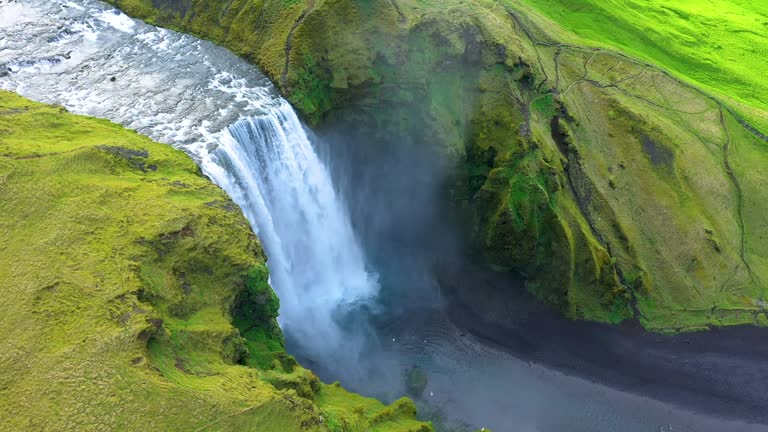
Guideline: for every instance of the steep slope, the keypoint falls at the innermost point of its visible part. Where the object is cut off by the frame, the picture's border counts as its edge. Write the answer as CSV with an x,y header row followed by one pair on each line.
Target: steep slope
x,y
135,295
617,190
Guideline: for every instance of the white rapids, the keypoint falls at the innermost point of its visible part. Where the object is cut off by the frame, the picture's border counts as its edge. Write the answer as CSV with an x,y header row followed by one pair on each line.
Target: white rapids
x,y
200,98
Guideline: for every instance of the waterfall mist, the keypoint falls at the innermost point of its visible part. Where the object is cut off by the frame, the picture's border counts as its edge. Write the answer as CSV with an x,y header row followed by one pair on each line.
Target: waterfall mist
x,y
397,195
396,186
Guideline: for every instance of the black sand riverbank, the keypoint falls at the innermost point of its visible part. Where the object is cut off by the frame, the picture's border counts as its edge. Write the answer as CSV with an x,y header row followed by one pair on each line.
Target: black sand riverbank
x,y
722,372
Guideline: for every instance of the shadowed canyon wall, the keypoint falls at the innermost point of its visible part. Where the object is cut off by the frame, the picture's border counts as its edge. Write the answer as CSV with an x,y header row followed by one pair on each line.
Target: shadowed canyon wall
x,y
616,190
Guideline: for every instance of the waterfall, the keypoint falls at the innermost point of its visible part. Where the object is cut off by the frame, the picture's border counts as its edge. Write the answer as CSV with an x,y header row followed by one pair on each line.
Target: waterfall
x,y
268,166
225,114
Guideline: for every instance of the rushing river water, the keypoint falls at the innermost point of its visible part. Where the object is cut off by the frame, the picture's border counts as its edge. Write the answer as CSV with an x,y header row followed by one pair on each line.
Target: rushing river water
x,y
198,97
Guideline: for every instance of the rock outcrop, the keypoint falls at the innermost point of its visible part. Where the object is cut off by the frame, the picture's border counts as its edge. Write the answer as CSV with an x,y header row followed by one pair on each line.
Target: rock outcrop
x,y
135,294
618,191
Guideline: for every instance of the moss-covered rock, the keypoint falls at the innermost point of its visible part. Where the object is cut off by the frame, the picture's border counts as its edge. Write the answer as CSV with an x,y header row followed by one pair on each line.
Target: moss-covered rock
x,y
617,190
135,295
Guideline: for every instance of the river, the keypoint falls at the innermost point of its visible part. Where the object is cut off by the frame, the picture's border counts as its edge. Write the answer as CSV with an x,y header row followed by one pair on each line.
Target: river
x,y
221,110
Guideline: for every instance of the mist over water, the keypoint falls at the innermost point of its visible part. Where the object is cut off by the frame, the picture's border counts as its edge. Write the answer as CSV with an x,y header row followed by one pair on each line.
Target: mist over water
x,y
358,303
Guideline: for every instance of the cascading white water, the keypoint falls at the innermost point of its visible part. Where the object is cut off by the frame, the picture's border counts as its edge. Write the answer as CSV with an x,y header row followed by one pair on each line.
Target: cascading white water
x,y
224,113
221,110
267,164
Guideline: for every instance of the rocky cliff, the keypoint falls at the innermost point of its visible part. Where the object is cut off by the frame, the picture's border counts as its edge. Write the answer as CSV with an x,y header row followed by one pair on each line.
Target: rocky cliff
x,y
616,189
135,294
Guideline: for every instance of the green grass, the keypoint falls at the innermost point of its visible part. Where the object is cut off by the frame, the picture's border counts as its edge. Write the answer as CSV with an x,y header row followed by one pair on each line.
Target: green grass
x,y
344,413
720,45
630,207
123,269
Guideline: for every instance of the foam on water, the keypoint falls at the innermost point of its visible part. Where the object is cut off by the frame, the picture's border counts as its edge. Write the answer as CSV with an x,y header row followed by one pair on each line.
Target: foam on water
x,y
201,98
117,20
14,14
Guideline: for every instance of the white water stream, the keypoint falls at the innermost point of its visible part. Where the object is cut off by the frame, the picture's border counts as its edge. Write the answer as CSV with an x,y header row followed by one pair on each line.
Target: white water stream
x,y
201,98
268,166
198,97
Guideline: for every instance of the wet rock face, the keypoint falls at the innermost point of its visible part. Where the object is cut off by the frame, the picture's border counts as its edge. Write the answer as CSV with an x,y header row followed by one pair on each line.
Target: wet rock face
x,y
593,175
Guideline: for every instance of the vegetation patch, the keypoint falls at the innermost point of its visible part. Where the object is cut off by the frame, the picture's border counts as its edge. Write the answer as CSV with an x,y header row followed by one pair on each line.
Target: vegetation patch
x,y
591,156
719,45
137,299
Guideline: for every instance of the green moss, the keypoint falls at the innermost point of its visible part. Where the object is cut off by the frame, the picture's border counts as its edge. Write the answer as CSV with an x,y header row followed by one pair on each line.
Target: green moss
x,y
257,304
359,413
311,92
591,172
545,105
127,268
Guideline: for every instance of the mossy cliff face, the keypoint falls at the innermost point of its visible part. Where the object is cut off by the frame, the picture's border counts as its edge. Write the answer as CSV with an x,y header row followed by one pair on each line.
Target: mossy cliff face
x,y
135,295
618,191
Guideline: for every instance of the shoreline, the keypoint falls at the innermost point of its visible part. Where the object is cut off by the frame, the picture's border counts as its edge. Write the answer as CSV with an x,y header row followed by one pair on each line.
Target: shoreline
x,y
721,372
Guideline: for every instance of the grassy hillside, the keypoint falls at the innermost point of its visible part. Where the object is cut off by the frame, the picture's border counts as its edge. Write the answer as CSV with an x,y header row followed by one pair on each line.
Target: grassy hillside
x,y
721,45
619,191
123,271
